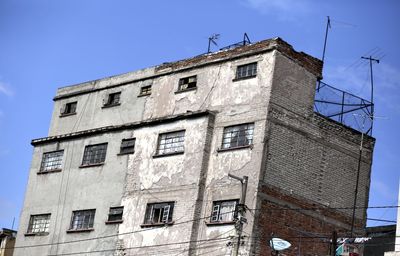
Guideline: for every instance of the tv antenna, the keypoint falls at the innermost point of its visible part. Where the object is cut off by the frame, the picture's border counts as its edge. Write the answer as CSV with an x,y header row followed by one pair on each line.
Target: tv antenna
x,y
371,60
212,39
328,26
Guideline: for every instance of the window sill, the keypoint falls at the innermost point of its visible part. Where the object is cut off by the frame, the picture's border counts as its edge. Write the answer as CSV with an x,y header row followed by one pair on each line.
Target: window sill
x,y
111,105
90,165
220,223
67,114
169,154
37,234
186,90
49,171
149,225
127,153
235,148
243,78
80,230
143,95
109,222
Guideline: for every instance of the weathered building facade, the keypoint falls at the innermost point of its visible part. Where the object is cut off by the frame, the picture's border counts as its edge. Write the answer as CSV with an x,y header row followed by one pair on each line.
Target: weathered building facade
x,y
138,164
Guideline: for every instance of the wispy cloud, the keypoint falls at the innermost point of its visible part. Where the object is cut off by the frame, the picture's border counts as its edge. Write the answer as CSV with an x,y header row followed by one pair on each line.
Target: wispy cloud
x,y
284,9
6,89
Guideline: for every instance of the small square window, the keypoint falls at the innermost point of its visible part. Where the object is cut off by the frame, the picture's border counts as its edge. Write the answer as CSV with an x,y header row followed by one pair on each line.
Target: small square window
x,y
39,224
170,143
127,146
224,211
115,214
94,154
159,213
187,83
238,136
113,99
246,71
69,108
145,90
82,220
51,161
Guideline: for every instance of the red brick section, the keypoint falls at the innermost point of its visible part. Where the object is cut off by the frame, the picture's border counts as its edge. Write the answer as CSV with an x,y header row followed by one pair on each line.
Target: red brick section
x,y
309,236
310,63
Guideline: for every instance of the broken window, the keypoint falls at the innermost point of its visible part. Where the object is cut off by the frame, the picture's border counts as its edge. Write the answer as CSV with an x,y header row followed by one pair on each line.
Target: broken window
x,y
127,146
248,70
187,83
51,161
82,219
69,108
159,213
145,90
115,213
224,211
113,99
39,224
238,136
172,142
94,154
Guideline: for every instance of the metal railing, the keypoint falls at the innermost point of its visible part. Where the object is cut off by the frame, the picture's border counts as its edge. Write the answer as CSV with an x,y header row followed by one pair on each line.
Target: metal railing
x,y
344,107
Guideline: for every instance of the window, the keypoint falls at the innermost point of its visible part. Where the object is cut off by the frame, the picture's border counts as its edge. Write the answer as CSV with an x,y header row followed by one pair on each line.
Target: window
x,y
69,108
224,211
94,154
39,224
127,146
145,90
52,161
248,70
159,213
82,220
115,214
238,136
187,83
112,99
170,143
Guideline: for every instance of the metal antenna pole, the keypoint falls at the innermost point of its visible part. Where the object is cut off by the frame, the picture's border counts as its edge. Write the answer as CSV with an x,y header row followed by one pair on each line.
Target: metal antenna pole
x,y
372,86
240,210
328,25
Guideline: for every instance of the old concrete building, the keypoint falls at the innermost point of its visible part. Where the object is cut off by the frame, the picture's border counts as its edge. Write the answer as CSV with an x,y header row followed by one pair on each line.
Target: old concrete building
x,y
138,163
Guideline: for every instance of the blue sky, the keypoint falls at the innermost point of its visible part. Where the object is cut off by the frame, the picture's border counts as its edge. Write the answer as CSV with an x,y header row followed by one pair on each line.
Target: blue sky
x,y
46,44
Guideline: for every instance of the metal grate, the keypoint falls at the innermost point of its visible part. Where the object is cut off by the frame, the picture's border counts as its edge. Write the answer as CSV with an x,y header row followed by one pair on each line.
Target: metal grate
x,y
248,70
343,107
52,161
145,90
39,223
83,219
172,142
238,136
94,154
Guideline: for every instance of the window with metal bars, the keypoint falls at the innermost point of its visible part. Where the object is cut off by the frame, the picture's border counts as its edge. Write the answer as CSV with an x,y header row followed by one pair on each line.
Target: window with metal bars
x,y
145,90
246,71
159,213
51,161
127,146
170,143
39,224
224,211
113,99
83,219
115,214
238,136
187,83
69,108
94,154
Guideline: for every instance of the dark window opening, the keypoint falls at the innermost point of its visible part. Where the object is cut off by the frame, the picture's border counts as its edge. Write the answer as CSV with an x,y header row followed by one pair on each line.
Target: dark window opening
x,y
145,90
83,219
94,154
115,213
159,213
69,108
113,99
248,70
127,146
238,136
187,83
